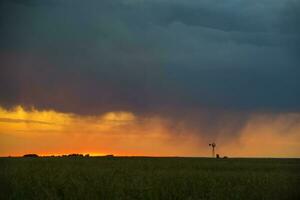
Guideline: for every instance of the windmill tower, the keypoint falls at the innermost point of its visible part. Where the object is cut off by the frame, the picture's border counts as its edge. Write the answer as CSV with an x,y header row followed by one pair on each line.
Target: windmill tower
x,y
213,145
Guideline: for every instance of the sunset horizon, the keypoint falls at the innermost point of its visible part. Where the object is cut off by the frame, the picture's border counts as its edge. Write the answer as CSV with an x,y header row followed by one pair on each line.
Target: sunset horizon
x,y
150,77
150,99
48,132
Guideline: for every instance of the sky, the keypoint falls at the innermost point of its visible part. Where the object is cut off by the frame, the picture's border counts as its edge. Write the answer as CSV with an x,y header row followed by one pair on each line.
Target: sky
x,y
150,77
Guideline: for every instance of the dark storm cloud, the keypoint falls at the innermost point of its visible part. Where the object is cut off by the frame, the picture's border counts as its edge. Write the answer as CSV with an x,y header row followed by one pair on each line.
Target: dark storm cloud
x,y
36,2
173,58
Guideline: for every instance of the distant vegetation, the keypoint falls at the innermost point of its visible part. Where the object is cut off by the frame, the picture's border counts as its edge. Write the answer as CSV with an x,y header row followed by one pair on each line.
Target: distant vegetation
x,y
31,155
65,155
149,178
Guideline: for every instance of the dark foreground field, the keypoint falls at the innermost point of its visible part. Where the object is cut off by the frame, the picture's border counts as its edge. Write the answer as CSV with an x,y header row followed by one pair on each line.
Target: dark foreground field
x,y
149,178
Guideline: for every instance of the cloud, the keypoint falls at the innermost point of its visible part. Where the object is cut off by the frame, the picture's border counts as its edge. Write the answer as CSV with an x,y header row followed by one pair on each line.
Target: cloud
x,y
36,2
123,133
8,120
207,63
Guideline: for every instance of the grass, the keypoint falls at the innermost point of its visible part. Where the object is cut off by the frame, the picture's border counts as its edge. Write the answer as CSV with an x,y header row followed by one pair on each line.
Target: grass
x,y
149,178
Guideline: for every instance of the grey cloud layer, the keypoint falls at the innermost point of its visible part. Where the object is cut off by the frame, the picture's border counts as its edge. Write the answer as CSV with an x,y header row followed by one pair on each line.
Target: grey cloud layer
x,y
151,56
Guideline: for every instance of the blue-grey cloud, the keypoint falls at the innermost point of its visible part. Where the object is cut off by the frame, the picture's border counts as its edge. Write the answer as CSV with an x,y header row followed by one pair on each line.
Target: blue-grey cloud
x,y
171,58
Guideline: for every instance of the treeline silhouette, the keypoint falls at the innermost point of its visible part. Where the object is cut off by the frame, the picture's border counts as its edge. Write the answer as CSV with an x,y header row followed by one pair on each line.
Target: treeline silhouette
x,y
31,155
65,155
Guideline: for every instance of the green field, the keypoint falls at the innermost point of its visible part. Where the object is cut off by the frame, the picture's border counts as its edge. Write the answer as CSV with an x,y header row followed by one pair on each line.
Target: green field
x,y
149,178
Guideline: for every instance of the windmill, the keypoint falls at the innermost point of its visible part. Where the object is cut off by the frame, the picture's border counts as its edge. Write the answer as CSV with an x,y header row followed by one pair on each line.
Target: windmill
x,y
213,145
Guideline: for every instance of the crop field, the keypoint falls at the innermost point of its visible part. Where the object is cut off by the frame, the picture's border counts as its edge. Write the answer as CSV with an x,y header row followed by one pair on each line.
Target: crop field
x,y
149,178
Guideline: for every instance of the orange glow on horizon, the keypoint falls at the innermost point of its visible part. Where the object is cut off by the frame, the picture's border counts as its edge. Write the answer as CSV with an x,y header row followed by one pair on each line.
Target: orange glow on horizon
x,y
123,133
